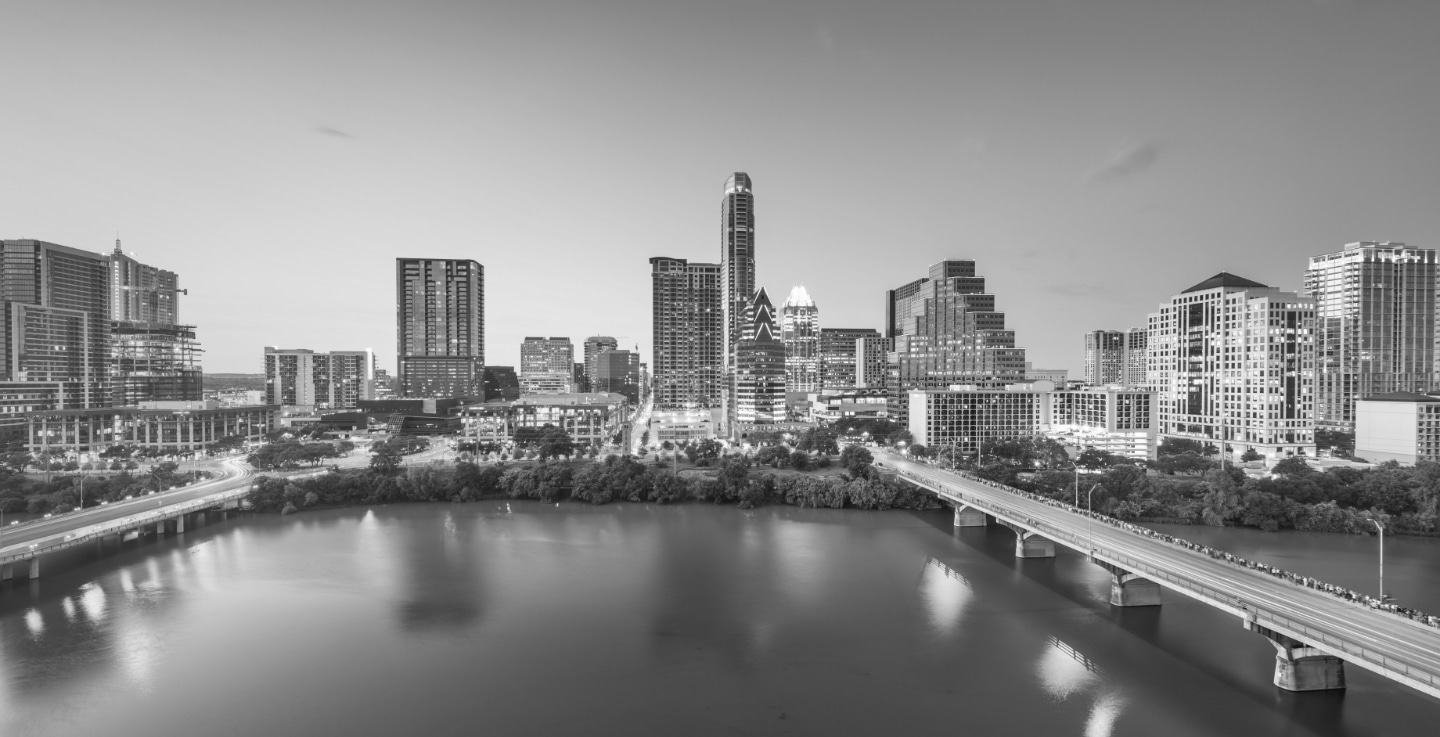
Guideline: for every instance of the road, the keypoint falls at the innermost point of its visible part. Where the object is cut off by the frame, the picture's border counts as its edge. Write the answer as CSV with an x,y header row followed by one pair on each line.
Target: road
x,y
17,538
1383,642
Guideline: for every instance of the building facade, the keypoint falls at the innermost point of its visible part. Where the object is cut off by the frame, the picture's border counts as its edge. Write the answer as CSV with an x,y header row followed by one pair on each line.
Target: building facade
x,y
618,372
875,364
737,271
307,381
1374,325
800,332
759,376
1104,357
1398,426
839,356
154,357
591,419
440,327
167,430
1233,363
687,323
547,366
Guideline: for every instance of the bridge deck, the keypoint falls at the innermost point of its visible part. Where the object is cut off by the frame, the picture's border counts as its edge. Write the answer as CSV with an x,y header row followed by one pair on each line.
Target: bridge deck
x,y
1383,642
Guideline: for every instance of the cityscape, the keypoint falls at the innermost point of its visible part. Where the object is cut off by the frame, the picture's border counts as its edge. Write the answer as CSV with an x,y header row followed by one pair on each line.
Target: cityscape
x,y
913,425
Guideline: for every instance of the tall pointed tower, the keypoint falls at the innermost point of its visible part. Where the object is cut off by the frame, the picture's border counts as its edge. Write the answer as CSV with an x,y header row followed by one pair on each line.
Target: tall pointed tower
x,y
800,331
737,269
758,386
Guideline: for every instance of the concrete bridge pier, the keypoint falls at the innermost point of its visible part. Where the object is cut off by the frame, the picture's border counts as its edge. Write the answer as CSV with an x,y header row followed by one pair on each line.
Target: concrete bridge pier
x,y
967,516
1130,589
6,572
180,524
35,567
1030,544
1299,667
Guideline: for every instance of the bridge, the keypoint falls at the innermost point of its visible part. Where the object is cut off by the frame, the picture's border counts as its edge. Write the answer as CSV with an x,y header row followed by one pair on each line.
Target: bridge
x,y
23,545
1314,632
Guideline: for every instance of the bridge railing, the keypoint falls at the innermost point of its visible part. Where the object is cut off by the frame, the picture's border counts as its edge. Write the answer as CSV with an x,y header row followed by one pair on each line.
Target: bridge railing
x,y
1306,633
100,529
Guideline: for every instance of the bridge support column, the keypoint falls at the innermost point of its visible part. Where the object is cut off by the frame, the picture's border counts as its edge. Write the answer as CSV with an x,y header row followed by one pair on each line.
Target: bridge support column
x,y
6,572
179,524
1130,589
35,567
969,517
1030,544
160,529
1299,667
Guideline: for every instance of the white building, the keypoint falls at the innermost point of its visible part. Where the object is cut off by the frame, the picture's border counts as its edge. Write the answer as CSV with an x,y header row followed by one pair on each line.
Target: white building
x,y
1233,362
1400,426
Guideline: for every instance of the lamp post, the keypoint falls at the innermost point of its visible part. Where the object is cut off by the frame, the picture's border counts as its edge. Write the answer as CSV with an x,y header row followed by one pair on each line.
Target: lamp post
x,y
1089,518
1381,528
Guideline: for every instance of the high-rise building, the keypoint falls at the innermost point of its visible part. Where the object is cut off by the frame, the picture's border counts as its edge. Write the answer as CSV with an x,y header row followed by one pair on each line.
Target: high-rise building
x,y
737,267
759,378
800,332
1104,357
1133,373
688,332
593,347
1233,364
154,357
1375,325
839,354
440,327
57,319
547,366
501,382
304,379
951,334
875,365
618,372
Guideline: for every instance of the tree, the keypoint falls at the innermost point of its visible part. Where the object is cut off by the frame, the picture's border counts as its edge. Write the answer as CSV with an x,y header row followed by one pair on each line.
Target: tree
x,y
734,473
555,442
1251,454
821,440
1292,467
1176,446
856,460
800,460
386,460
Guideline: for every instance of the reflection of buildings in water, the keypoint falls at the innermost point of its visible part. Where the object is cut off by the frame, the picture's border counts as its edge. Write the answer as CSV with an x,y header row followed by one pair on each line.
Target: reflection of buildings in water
x,y
945,594
440,585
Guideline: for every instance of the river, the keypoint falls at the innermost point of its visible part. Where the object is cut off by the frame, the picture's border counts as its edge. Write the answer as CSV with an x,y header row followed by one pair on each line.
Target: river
x,y
526,619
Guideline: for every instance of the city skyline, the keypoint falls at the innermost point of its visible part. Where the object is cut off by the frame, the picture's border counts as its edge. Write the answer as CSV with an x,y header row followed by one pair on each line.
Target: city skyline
x,y
1111,160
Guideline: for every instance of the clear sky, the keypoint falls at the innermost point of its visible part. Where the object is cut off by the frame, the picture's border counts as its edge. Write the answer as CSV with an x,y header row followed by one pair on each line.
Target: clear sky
x,y
1093,156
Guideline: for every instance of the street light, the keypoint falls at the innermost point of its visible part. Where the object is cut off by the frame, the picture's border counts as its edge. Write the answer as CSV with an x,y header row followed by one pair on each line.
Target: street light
x,y
1381,528
1089,518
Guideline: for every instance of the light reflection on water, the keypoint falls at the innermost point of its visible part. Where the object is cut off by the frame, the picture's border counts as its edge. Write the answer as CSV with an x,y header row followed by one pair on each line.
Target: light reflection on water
x,y
517,618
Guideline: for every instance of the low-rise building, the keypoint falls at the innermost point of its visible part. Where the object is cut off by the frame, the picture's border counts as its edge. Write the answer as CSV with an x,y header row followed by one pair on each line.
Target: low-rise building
x,y
166,429
682,426
591,418
1112,419
829,405
1400,426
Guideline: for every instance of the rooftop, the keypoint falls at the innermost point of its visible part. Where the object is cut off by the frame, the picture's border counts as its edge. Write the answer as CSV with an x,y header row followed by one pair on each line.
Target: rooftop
x,y
1225,279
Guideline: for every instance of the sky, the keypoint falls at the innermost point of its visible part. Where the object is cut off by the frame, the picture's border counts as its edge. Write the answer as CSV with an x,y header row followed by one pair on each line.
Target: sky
x,y
1094,157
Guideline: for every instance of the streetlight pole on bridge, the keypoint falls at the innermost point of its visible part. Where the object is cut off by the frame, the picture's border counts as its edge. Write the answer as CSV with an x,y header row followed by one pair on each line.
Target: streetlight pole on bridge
x,y
1381,528
1090,518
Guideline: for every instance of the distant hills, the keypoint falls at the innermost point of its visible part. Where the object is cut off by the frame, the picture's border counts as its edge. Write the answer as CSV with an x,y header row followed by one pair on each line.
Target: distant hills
x,y
234,381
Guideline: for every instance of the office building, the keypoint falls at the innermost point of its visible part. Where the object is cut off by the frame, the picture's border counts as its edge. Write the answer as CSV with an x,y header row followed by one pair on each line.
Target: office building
x,y
547,366
1134,360
618,372
875,364
592,419
594,345
1233,363
948,332
759,377
687,322
800,332
839,356
1374,325
440,327
1058,377
501,382
1104,357
737,270
304,381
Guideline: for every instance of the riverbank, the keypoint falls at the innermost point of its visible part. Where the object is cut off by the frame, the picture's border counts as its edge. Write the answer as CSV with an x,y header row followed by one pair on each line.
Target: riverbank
x,y
614,479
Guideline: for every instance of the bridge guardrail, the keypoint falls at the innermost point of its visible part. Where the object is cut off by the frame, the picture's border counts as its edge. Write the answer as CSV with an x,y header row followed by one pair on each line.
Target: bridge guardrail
x,y
1309,634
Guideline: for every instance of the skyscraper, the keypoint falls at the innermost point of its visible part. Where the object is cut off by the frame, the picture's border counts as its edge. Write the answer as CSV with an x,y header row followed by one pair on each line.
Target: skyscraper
x,y
737,265
1233,363
800,332
839,354
56,301
948,332
759,377
547,366
688,333
1375,325
619,372
440,327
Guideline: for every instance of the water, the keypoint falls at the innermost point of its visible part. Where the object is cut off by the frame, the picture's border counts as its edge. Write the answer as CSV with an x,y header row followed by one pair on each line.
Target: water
x,y
525,619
